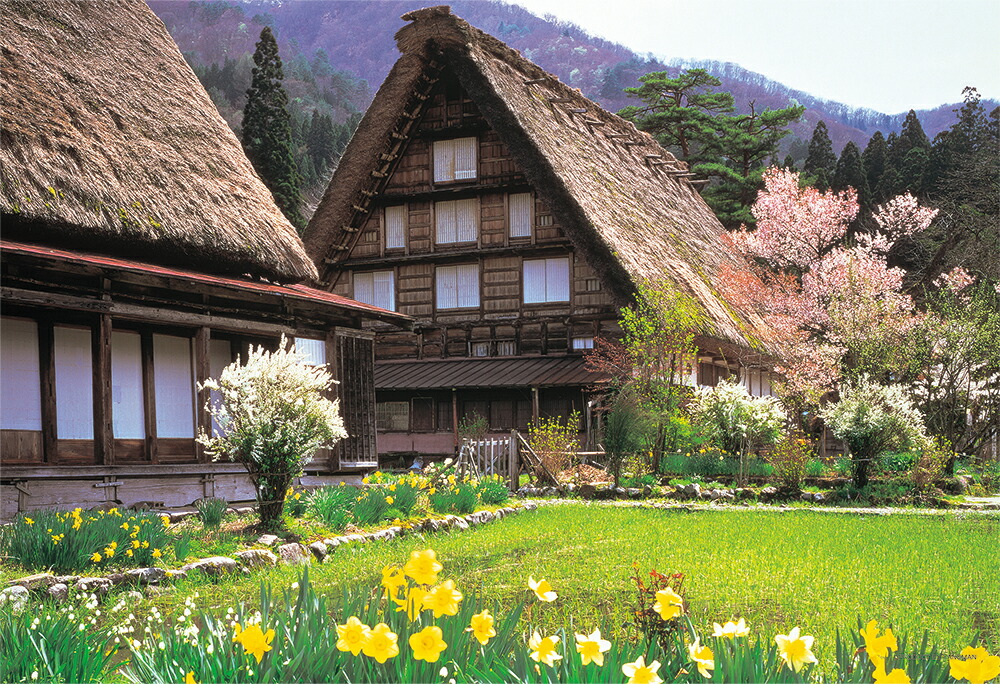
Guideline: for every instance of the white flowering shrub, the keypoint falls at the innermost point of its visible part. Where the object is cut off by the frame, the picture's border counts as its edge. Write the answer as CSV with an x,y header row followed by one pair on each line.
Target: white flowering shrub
x,y
273,417
736,421
871,419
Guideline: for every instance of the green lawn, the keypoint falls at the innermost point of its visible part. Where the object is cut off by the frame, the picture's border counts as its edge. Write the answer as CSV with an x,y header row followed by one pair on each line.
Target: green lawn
x,y
778,570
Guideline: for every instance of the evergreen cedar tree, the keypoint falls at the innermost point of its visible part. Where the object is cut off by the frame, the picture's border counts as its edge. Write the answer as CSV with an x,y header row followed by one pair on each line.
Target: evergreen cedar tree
x,y
850,173
267,132
821,162
685,114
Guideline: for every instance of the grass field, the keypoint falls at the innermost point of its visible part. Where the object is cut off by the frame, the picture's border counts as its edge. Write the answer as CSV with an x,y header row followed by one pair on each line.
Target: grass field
x,y
778,570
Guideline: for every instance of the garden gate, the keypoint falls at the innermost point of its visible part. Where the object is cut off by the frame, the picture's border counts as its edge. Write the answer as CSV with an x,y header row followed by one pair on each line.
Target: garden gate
x,y
502,456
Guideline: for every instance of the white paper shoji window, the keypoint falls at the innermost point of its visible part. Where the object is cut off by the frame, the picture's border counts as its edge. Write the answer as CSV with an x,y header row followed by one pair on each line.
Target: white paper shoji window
x,y
454,159
506,348
395,226
173,378
392,416
519,214
456,221
74,383
314,351
127,414
20,386
546,280
580,343
479,349
457,286
377,288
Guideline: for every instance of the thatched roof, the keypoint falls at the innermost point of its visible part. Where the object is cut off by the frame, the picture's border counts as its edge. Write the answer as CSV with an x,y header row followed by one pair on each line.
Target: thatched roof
x,y
620,196
109,142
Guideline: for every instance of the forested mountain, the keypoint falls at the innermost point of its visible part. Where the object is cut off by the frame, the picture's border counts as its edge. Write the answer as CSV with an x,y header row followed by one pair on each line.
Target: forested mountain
x,y
336,53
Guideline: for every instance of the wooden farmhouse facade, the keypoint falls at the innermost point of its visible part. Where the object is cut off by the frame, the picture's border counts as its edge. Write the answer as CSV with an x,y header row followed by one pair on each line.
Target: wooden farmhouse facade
x,y
140,255
511,217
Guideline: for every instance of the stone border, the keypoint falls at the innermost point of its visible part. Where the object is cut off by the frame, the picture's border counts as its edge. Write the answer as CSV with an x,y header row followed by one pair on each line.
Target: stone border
x,y
245,561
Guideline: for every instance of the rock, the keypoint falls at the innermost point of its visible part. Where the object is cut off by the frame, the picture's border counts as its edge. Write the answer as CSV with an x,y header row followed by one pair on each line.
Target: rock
x,y
332,543
530,505
819,497
147,575
352,539
396,531
728,494
487,516
633,493
293,554
806,496
267,539
94,585
319,549
177,574
257,558
17,596
58,592
215,566
693,490
42,580
768,493
117,578
460,524
66,579
714,494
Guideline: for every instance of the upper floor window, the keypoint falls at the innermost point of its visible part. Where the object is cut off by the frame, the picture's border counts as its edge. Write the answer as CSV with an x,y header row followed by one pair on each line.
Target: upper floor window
x,y
377,288
519,214
456,221
581,343
454,160
457,286
395,226
546,280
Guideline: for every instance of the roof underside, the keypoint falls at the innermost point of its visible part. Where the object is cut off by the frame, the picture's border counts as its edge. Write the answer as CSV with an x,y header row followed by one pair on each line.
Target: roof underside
x,y
466,373
620,196
109,142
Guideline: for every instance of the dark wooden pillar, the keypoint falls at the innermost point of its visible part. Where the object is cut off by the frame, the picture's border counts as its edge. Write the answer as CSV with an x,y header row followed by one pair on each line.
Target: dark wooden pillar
x,y
203,419
104,441
149,395
454,416
47,373
535,410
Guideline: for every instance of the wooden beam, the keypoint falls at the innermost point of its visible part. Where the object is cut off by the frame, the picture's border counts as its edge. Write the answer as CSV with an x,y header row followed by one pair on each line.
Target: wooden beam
x,y
104,441
203,419
149,395
47,377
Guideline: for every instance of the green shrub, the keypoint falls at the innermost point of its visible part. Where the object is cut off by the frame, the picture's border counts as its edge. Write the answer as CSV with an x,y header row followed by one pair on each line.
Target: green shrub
x,y
788,458
815,468
182,546
85,541
493,490
333,505
406,493
893,462
640,481
296,502
211,511
554,439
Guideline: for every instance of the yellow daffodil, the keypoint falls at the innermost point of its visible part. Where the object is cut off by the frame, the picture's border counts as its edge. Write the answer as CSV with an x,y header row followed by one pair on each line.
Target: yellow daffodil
x,y
481,627
641,673
795,649
145,545
432,490
703,656
352,636
423,567
393,580
135,544
981,667
124,525
389,500
544,650
412,603
29,521
189,678
109,551
876,646
897,676
668,604
96,557
381,644
427,644
731,629
592,648
443,599
165,519
254,640
157,553
128,552
542,589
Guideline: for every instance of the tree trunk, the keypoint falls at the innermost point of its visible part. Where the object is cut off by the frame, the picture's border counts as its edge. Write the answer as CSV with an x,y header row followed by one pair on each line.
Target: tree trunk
x,y
270,491
861,464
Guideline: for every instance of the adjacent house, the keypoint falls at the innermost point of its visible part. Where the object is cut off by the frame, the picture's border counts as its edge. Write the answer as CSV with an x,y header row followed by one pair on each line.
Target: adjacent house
x,y
511,217
140,255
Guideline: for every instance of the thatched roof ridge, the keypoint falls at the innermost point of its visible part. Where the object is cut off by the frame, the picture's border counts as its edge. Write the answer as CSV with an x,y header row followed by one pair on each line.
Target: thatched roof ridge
x,y
618,193
109,142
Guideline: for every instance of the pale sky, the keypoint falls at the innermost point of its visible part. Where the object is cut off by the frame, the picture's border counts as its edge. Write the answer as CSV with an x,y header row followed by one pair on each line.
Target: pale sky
x,y
888,55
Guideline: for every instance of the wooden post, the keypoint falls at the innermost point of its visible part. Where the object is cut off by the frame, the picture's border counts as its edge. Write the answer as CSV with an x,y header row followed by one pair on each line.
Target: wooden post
x,y
454,415
104,442
47,373
534,405
203,419
513,471
149,395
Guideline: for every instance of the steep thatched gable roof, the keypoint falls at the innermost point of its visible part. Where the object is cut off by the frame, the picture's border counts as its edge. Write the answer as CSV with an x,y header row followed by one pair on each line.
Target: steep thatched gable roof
x,y
109,142
625,202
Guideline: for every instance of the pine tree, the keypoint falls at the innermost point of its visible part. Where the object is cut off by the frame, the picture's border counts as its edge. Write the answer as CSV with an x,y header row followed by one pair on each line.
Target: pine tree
x,y
321,140
850,173
267,131
821,162
911,156
874,160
